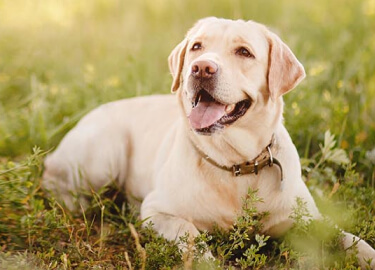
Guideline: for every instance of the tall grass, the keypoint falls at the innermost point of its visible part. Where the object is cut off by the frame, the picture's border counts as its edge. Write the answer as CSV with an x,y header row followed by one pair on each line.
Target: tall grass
x,y
59,59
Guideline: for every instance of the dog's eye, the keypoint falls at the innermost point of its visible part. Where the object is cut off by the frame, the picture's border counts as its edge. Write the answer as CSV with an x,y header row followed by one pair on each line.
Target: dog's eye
x,y
197,46
242,51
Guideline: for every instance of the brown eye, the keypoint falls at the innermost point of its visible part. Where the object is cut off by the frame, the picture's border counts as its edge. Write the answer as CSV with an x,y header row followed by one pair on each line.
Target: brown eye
x,y
197,46
244,52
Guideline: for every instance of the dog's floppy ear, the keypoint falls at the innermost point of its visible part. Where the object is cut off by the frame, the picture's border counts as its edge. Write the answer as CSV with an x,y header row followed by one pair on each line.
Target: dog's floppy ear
x,y
176,63
284,70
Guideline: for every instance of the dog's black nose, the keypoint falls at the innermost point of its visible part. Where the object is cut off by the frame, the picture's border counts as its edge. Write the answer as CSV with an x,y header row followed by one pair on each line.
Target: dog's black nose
x,y
203,69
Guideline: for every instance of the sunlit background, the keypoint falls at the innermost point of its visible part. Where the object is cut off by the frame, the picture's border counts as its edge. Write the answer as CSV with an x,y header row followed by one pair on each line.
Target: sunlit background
x,y
58,59
61,58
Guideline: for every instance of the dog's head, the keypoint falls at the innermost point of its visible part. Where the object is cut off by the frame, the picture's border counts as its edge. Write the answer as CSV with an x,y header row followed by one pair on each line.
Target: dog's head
x,y
231,73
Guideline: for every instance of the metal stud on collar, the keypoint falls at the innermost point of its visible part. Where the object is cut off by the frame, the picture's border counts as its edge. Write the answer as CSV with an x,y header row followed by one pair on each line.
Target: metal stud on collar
x,y
236,170
256,164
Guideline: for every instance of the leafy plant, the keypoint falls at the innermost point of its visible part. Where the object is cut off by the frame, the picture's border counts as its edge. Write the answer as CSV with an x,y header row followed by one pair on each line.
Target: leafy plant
x,y
241,245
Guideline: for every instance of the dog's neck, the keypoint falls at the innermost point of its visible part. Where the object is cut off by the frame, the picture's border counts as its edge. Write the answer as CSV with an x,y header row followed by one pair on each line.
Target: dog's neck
x,y
233,146
263,159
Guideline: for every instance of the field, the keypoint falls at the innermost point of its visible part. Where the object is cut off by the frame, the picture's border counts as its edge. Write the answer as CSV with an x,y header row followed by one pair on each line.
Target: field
x,y
60,59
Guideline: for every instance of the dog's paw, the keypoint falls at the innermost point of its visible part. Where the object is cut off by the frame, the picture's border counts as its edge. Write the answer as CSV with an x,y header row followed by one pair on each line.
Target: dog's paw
x,y
365,253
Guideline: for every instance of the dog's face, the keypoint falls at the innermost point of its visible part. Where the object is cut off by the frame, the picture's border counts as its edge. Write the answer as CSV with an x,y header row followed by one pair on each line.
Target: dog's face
x,y
229,72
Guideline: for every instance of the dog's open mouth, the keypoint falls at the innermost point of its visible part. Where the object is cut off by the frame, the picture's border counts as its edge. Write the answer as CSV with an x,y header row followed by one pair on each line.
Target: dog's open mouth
x,y
208,115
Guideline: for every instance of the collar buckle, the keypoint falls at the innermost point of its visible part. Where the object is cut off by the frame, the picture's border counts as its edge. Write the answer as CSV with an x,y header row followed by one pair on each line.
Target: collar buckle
x,y
263,159
271,157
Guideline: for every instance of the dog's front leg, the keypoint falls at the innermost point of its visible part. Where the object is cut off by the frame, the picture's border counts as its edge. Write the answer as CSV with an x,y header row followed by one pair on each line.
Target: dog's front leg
x,y
364,251
169,225
166,223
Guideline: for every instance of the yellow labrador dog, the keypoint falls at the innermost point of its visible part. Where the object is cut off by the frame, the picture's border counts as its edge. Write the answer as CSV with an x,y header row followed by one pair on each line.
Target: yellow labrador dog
x,y
191,159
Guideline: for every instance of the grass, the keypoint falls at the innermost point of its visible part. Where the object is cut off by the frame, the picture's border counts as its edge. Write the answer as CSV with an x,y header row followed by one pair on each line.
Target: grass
x,y
59,59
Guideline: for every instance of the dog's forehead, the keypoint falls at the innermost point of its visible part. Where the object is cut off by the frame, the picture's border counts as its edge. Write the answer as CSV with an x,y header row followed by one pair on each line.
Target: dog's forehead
x,y
239,31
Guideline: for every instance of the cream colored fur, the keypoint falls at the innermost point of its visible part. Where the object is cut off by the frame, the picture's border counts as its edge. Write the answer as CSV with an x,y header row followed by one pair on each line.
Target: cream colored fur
x,y
145,144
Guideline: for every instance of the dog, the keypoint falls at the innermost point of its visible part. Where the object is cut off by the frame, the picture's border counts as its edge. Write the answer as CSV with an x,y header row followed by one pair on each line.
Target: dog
x,y
190,160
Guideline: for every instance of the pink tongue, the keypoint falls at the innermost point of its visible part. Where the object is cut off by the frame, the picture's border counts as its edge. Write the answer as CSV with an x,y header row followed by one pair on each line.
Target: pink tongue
x,y
205,114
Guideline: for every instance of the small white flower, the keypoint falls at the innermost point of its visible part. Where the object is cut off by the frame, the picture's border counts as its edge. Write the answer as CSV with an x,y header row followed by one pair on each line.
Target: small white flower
x,y
370,155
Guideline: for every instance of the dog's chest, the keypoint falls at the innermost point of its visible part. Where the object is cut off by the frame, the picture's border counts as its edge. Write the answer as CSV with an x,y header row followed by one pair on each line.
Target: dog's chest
x,y
206,203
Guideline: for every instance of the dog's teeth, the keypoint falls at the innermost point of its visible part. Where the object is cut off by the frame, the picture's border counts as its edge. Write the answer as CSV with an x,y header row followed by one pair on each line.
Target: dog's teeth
x,y
229,108
195,103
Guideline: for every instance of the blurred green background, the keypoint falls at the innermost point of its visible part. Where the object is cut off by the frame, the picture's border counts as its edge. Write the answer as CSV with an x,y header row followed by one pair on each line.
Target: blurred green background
x,y
59,59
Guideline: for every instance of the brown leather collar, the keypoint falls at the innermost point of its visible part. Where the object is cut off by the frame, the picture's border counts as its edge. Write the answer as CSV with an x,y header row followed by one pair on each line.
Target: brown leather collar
x,y
264,159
